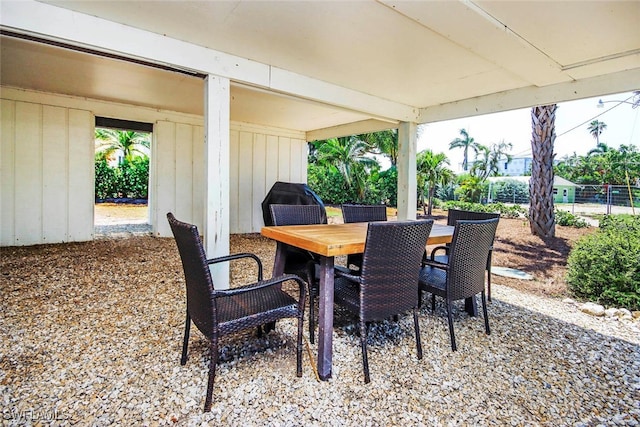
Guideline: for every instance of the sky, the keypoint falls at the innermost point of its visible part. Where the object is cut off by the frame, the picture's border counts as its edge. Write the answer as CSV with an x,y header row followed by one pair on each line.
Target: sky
x,y
572,122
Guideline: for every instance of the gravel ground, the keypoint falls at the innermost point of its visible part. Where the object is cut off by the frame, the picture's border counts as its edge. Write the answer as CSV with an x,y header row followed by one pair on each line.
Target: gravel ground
x,y
91,335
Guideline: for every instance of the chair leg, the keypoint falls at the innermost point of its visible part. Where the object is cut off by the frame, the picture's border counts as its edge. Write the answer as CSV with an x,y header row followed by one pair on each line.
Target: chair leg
x,y
451,333
212,373
365,360
416,326
489,276
312,317
486,317
299,345
433,302
185,342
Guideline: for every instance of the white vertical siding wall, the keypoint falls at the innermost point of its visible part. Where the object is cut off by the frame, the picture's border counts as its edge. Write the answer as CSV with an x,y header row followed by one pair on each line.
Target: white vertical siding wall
x,y
47,170
260,156
176,181
47,174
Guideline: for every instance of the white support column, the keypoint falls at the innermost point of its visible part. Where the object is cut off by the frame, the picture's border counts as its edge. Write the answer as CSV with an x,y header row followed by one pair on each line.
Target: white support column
x,y
216,176
407,183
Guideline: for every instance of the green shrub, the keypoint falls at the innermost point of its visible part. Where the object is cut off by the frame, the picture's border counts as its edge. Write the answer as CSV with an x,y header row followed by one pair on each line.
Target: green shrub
x,y
605,266
568,219
129,179
506,211
106,180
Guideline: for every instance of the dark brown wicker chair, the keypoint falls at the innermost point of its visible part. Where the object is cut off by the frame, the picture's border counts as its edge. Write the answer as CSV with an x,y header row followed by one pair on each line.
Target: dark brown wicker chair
x,y
453,216
388,281
298,261
221,312
362,213
463,275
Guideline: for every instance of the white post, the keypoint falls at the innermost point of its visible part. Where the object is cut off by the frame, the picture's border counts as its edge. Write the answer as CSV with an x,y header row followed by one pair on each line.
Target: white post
x,y
407,180
216,206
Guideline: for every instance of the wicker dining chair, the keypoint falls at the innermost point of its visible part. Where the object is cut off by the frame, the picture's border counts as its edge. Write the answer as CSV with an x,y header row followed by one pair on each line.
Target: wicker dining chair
x,y
453,216
361,213
299,261
462,276
219,312
387,284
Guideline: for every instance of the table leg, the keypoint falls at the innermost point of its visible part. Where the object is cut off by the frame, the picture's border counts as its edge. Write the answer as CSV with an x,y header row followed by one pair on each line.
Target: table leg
x,y
325,318
471,306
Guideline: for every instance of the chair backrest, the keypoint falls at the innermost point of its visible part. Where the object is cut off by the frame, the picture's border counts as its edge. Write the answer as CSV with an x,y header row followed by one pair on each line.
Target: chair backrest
x,y
454,215
391,267
470,247
363,213
296,214
200,290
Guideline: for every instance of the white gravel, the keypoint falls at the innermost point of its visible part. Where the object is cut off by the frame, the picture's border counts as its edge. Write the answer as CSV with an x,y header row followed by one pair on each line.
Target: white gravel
x,y
91,334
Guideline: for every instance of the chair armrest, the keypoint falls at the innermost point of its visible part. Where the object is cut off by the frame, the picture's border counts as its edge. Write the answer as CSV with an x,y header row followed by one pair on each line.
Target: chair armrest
x,y
274,281
239,256
347,275
439,248
436,264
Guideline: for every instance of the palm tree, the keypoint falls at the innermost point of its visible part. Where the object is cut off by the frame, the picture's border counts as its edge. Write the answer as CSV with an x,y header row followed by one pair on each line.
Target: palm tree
x,y
431,171
129,142
466,142
498,152
601,148
596,128
347,155
384,143
543,135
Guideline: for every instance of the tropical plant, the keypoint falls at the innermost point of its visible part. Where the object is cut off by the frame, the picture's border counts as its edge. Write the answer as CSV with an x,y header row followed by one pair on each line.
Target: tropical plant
x,y
348,156
596,128
471,188
130,143
384,143
465,142
541,209
605,267
431,171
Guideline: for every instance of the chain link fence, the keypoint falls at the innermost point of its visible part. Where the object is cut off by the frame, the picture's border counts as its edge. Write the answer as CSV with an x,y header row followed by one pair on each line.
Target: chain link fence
x,y
587,200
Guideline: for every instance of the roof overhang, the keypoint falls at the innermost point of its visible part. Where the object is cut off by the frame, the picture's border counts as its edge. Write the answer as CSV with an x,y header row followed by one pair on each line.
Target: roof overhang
x,y
322,67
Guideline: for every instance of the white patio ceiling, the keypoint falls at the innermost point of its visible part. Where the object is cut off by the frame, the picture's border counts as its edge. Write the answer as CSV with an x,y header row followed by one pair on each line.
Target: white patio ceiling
x,y
415,61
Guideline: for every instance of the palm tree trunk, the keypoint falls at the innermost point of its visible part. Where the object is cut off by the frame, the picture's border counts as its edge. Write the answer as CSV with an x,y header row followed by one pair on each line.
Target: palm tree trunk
x,y
541,215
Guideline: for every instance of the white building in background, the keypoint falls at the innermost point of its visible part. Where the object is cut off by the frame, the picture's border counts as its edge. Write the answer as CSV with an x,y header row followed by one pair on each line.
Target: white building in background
x,y
516,167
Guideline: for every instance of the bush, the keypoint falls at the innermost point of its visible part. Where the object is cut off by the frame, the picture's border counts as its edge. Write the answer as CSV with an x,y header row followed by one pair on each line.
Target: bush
x,y
106,180
129,179
511,191
568,219
605,266
506,211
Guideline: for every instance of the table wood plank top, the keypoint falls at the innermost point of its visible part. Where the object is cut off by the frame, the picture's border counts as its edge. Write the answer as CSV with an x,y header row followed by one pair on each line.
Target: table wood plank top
x,y
338,239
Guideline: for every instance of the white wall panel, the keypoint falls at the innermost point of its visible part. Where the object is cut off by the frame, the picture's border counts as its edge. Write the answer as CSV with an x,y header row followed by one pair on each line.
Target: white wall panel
x,y
259,182
7,172
176,181
81,177
47,174
245,181
28,174
262,157
55,168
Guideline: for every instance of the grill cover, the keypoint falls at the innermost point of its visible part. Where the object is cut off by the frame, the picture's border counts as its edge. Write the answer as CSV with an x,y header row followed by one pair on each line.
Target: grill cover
x,y
289,193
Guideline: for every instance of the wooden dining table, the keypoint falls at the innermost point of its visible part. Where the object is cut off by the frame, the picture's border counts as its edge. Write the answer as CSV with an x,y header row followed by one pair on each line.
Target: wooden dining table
x,y
329,241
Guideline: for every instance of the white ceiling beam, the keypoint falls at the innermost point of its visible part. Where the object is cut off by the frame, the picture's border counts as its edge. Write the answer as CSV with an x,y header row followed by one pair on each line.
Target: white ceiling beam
x,y
623,81
63,25
356,128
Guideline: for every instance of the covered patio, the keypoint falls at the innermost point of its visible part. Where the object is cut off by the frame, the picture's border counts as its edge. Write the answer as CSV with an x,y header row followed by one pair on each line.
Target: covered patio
x,y
96,340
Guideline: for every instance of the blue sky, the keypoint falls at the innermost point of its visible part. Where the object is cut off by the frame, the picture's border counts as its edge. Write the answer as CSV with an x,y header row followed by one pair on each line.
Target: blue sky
x,y
572,121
